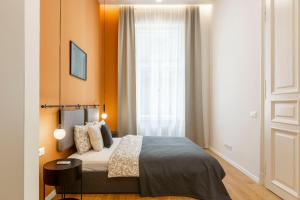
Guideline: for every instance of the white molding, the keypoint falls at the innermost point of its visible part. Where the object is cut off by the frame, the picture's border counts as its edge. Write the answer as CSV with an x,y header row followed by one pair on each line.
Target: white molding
x,y
31,99
293,120
262,96
294,87
51,195
236,165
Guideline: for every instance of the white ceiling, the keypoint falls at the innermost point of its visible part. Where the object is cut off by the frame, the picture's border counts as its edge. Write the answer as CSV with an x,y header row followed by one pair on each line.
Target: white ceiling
x,y
177,2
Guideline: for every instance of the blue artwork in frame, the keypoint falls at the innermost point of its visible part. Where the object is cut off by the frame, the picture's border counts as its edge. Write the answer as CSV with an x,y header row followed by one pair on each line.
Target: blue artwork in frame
x,y
78,62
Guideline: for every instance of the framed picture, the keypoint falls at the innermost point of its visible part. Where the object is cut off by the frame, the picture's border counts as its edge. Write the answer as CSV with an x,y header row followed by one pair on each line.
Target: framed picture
x,y
78,62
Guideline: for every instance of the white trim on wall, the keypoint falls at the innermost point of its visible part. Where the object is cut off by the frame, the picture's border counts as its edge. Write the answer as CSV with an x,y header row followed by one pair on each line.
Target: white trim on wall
x,y
31,104
262,97
256,179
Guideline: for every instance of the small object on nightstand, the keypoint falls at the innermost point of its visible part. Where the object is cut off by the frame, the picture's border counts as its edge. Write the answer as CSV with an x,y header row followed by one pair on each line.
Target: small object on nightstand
x,y
63,175
63,162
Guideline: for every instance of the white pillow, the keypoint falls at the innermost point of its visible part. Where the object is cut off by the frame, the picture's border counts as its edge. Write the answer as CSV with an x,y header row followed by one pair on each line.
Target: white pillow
x,y
81,139
95,137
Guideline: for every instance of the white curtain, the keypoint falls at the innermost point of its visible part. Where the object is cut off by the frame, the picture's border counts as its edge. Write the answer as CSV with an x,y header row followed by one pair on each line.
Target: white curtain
x,y
160,71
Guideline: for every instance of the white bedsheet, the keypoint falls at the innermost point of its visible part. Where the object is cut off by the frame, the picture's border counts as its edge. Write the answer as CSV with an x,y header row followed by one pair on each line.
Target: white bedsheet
x,y
97,161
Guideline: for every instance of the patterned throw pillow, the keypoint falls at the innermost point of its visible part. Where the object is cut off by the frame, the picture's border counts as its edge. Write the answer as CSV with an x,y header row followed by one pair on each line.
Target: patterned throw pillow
x,y
91,123
95,137
82,140
95,123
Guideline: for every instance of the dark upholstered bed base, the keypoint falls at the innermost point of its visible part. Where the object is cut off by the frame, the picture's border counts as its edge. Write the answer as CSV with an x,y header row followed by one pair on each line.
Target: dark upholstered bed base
x,y
99,183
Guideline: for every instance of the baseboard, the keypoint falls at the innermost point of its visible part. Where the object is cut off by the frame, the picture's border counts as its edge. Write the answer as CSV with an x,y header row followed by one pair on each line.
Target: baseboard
x,y
237,166
51,195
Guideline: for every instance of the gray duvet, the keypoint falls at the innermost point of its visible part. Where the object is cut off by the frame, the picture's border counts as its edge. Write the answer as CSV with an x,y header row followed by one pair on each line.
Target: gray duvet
x,y
178,167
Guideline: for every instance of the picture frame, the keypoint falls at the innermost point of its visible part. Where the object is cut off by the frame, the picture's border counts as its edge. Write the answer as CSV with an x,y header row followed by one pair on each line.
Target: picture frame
x,y
78,62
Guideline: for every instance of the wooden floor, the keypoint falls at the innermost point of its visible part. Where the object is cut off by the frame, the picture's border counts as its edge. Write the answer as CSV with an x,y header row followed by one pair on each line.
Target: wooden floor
x,y
239,186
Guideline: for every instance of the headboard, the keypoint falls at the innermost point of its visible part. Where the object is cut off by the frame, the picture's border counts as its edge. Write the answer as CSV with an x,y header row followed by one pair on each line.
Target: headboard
x,y
69,118
91,114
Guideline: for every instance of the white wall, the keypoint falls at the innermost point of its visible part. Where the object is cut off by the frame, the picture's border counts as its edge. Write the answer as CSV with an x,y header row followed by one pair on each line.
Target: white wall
x,y
12,99
236,83
18,138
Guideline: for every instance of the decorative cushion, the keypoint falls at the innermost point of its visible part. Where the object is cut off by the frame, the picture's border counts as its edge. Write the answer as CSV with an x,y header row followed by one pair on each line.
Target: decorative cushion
x,y
106,135
95,123
91,123
95,137
82,140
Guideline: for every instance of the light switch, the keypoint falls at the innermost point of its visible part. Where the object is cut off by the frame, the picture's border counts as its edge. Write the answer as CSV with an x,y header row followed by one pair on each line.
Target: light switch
x,y
253,114
41,151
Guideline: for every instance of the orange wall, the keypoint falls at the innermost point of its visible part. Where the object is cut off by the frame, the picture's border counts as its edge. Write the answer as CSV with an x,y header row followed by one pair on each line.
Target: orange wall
x,y
80,23
111,62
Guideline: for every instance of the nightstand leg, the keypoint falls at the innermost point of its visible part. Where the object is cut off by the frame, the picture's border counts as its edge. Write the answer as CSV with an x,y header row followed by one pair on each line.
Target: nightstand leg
x,y
81,189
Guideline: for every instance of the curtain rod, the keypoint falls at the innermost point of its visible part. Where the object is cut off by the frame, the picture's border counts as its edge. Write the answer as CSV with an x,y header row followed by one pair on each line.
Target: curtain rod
x,y
46,106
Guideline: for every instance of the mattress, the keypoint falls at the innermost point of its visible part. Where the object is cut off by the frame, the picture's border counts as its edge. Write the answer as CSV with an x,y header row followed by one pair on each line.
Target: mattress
x,y
97,161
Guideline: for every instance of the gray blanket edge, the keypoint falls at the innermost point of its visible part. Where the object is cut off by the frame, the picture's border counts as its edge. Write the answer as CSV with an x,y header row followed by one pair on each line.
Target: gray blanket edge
x,y
177,167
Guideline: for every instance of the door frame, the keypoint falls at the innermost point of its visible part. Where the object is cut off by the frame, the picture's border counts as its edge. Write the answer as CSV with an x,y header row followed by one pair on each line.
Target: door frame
x,y
262,96
31,97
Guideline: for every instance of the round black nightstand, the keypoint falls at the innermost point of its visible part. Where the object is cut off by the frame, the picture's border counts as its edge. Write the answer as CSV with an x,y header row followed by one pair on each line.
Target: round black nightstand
x,y
63,175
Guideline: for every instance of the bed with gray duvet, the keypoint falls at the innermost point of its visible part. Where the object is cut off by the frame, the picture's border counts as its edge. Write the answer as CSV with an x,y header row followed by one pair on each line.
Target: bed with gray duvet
x,y
149,166
157,166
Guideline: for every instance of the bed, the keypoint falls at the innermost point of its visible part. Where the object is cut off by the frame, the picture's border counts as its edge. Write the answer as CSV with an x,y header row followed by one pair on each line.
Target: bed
x,y
164,166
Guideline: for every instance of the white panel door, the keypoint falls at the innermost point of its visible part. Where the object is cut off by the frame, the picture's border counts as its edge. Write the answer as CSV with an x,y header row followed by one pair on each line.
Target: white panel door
x,y
282,98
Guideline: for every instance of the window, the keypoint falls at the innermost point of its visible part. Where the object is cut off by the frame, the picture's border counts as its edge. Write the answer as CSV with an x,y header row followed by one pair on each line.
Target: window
x,y
160,52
